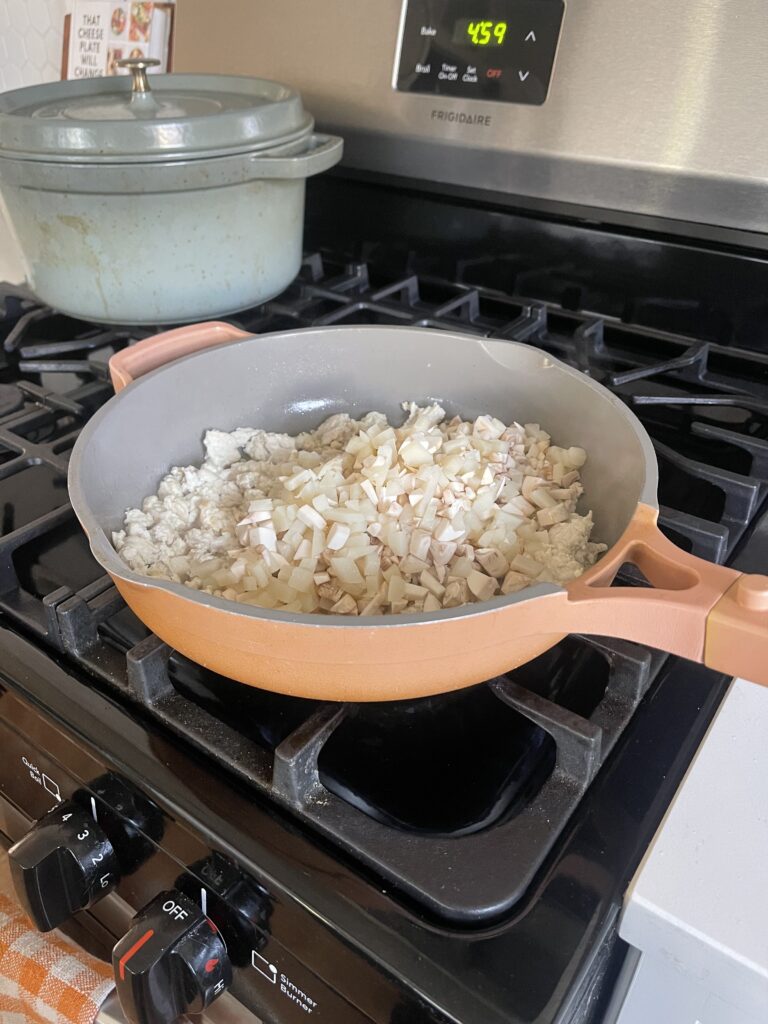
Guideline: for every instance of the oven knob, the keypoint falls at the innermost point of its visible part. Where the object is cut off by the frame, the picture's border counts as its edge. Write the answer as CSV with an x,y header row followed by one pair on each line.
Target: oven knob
x,y
172,961
240,907
63,864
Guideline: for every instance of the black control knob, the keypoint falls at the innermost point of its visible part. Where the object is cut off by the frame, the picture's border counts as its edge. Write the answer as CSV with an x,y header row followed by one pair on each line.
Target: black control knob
x,y
65,863
172,961
240,907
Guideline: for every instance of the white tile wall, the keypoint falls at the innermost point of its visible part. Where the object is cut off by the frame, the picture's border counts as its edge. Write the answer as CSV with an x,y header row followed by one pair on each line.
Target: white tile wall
x,y
31,35
30,41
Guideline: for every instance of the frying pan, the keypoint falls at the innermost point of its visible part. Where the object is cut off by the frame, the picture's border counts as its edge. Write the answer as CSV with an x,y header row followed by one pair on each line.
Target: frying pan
x,y
292,381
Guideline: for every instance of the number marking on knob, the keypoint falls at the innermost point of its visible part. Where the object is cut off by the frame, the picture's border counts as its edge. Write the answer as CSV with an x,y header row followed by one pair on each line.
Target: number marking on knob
x,y
133,950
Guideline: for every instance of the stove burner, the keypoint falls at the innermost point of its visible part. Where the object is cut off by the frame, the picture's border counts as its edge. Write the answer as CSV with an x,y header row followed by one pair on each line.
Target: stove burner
x,y
11,399
452,765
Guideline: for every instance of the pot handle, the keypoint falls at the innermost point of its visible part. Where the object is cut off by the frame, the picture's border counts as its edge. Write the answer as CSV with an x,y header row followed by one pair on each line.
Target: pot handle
x,y
322,152
701,611
151,353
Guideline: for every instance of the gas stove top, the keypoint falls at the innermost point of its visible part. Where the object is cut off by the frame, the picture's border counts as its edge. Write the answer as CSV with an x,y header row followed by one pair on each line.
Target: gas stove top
x,y
507,817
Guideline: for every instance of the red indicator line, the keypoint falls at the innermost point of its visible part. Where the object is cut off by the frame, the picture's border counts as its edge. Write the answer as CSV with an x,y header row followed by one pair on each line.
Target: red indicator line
x,y
134,949
210,964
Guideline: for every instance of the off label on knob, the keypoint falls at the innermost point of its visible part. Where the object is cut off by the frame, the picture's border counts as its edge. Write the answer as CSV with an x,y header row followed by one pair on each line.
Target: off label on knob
x,y
175,910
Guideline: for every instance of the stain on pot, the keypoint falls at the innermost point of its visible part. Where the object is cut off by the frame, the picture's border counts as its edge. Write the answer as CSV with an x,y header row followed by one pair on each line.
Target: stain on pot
x,y
80,225
76,223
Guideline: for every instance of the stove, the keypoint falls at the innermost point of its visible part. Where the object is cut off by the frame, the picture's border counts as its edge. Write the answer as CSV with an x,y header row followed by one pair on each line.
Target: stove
x,y
459,858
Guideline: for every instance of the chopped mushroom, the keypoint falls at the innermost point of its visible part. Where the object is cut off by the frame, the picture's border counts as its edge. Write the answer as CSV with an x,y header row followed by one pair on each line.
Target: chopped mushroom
x,y
346,605
492,560
456,594
514,581
482,586
550,516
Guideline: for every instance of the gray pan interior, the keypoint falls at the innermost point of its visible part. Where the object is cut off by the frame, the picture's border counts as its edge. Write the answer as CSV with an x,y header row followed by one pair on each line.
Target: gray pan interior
x,y
292,381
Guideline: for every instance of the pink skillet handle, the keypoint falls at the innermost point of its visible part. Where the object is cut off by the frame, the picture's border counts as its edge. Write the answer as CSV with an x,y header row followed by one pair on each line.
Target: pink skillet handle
x,y
705,612
151,353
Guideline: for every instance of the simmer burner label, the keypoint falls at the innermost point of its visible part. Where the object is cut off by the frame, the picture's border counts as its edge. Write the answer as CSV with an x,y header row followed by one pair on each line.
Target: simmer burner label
x,y
283,983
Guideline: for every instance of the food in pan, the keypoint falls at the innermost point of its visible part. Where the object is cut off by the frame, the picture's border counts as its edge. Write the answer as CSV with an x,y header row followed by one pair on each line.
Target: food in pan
x,y
359,517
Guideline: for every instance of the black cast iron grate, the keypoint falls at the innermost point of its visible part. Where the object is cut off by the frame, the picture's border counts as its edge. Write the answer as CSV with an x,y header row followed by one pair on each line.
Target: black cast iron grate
x,y
391,784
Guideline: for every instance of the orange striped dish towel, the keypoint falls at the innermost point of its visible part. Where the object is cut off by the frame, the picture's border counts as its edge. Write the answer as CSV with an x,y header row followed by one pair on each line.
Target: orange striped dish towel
x,y
45,979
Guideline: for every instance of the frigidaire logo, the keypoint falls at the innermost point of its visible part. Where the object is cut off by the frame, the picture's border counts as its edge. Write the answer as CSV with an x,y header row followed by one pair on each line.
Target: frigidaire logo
x,y
460,117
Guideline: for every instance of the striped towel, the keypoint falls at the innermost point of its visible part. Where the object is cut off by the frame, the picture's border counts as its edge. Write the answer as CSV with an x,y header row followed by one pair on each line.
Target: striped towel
x,y
45,979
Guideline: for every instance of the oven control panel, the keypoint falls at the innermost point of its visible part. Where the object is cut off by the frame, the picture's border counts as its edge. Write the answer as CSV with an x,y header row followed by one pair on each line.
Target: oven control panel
x,y
499,50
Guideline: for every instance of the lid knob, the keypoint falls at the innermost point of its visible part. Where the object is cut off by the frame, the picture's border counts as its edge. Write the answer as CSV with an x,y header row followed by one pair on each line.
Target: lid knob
x,y
138,68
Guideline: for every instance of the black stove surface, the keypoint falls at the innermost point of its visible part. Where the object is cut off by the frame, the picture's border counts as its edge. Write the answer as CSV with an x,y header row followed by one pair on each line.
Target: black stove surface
x,y
512,813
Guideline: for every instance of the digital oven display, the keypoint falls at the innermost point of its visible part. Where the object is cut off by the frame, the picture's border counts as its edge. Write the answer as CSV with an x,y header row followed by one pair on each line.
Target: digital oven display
x,y
501,50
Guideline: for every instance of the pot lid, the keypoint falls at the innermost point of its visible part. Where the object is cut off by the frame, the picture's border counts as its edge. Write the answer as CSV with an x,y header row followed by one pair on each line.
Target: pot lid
x,y
119,119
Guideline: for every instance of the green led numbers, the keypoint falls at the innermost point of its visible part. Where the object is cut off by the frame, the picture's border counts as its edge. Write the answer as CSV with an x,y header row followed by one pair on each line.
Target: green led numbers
x,y
484,32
